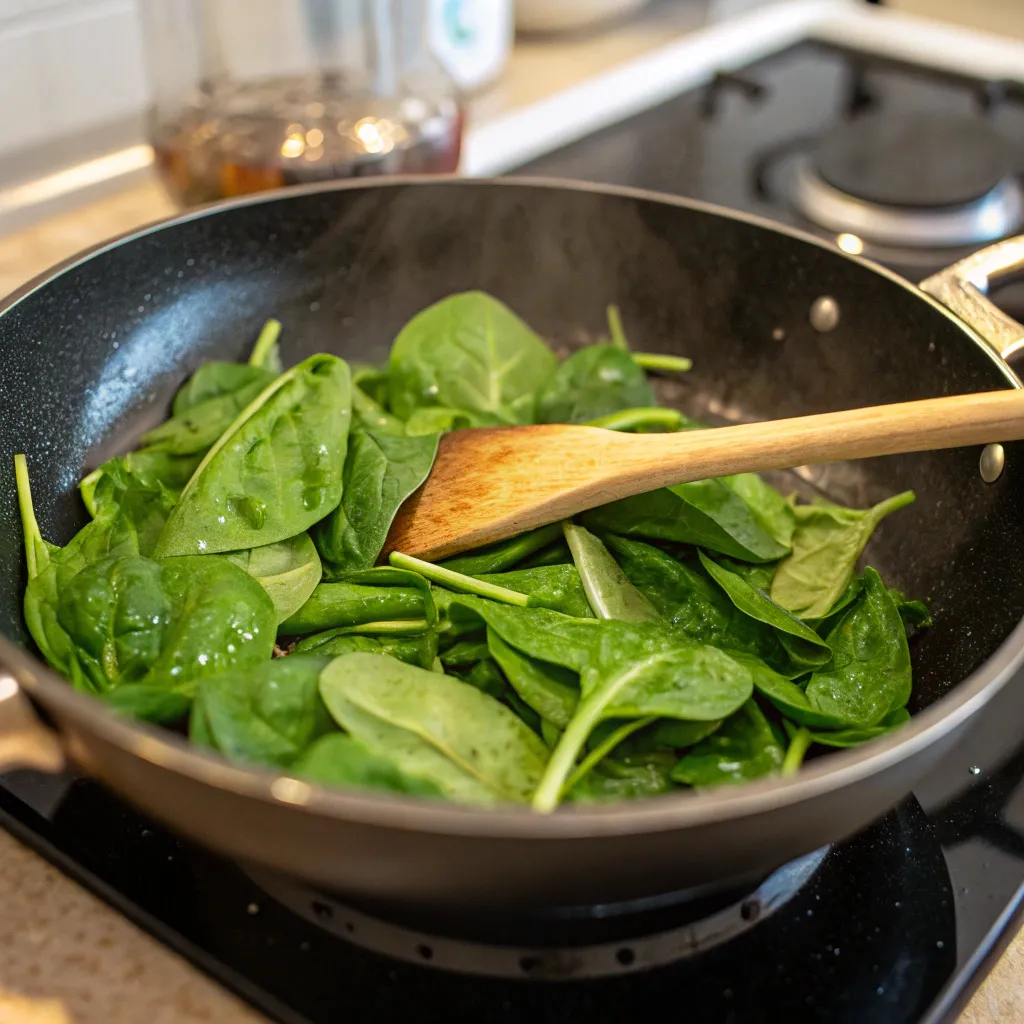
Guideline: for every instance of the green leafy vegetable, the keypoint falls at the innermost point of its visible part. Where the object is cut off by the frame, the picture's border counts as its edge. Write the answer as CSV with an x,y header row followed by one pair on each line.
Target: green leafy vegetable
x,y
415,643
548,586
459,581
442,723
801,642
869,674
855,737
708,513
288,571
608,589
268,714
343,761
469,353
164,623
641,421
593,382
275,471
641,670
349,604
826,545
381,471
506,554
743,748
550,690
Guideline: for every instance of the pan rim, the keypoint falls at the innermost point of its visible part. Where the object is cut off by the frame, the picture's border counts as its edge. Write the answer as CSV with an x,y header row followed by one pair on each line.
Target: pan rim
x,y
686,809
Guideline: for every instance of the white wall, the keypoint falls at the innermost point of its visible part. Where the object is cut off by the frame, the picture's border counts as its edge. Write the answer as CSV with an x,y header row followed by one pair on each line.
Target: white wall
x,y
67,66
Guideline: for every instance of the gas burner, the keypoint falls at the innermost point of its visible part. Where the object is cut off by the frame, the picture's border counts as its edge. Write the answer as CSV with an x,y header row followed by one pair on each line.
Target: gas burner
x,y
921,180
554,946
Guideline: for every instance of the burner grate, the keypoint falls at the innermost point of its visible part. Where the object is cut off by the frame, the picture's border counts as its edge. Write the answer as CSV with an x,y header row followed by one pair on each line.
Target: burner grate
x,y
633,950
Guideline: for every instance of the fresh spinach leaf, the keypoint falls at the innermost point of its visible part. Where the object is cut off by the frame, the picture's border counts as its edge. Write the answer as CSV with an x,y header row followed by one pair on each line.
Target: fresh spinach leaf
x,y
787,696
869,674
143,505
417,647
594,381
539,632
612,781
194,430
672,733
915,614
743,748
288,571
551,586
804,646
853,737
608,589
465,653
441,724
165,622
486,677
687,597
468,352
268,714
216,378
381,471
350,604
550,690
339,760
51,568
707,513
768,507
640,670
505,554
827,542
275,471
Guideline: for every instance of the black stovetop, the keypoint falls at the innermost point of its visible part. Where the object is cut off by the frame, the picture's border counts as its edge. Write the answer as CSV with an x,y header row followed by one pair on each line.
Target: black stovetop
x,y
897,925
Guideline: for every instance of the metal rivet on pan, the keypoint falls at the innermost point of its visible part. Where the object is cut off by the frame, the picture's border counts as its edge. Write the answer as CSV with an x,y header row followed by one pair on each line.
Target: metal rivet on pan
x,y
991,463
825,314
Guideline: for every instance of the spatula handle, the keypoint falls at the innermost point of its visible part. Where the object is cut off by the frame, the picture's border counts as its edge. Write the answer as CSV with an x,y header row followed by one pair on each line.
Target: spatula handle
x,y
933,423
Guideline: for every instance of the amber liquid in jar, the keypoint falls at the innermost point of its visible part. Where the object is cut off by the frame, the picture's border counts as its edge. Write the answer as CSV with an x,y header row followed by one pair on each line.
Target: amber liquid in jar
x,y
271,134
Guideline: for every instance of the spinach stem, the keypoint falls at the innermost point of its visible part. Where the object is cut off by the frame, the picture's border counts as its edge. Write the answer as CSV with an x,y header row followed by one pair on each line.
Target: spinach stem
x,y
385,627
618,335
563,757
662,362
87,488
35,548
631,419
265,342
457,581
603,749
795,754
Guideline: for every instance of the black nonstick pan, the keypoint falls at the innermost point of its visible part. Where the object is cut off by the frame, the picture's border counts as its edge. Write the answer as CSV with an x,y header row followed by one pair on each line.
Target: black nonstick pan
x,y
777,324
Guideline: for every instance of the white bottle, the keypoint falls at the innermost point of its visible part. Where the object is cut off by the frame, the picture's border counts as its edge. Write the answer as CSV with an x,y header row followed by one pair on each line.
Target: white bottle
x,y
472,39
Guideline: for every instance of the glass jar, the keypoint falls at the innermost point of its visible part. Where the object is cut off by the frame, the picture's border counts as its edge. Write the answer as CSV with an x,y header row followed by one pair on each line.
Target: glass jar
x,y
251,95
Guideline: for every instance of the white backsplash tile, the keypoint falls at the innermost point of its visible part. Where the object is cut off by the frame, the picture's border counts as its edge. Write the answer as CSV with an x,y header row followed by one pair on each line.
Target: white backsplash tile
x,y
67,66
24,119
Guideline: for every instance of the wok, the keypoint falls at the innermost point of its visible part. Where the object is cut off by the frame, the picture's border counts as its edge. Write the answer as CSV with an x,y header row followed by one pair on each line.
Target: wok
x,y
93,351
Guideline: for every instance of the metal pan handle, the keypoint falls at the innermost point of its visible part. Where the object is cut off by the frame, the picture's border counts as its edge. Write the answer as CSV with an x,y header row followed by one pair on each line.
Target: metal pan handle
x,y
963,289
25,742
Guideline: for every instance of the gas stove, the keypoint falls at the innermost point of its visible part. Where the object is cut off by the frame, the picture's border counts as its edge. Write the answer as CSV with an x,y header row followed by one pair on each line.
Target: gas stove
x,y
914,167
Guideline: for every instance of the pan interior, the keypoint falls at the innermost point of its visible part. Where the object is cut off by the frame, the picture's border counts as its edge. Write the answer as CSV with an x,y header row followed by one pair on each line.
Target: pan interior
x,y
93,357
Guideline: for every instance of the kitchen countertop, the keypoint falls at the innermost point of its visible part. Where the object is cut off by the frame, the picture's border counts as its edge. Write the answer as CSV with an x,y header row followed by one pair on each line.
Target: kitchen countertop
x,y
68,958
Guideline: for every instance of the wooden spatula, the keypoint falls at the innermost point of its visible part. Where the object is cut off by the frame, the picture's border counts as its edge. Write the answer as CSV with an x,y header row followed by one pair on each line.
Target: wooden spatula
x,y
491,483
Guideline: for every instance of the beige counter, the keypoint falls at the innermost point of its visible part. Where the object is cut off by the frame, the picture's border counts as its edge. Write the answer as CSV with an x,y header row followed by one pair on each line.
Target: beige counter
x,y
65,957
